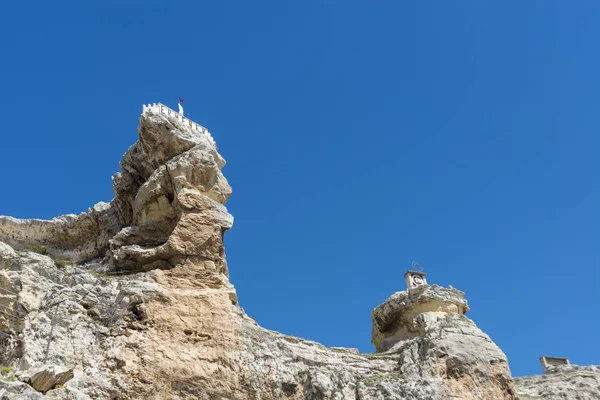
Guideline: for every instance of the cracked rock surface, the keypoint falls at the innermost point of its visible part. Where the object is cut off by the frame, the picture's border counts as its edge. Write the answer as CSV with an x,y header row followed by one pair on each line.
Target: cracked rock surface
x,y
132,300
562,382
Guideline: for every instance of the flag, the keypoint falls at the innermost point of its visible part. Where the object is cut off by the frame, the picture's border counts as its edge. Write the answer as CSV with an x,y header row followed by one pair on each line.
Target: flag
x,y
180,100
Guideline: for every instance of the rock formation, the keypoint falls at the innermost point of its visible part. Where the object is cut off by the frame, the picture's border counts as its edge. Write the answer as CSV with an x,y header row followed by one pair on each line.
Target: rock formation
x,y
132,300
564,382
427,327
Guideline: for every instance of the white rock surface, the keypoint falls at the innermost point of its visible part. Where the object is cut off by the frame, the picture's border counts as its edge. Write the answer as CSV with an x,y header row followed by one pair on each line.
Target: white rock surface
x,y
570,382
75,237
144,309
18,390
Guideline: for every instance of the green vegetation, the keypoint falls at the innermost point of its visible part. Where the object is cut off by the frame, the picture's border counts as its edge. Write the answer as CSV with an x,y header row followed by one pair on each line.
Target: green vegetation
x,y
100,274
6,370
61,263
43,250
62,387
7,374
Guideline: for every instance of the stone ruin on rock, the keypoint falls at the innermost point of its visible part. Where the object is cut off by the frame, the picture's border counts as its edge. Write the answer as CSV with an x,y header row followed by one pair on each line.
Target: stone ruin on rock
x,y
132,300
414,279
549,363
403,315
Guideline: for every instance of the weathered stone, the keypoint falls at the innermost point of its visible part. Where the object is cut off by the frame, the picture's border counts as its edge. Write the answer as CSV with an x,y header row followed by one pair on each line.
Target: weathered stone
x,y
149,312
394,320
45,377
426,327
18,391
75,237
562,382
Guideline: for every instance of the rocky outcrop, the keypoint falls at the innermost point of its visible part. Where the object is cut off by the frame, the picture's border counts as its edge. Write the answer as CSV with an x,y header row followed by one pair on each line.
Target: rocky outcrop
x,y
426,326
18,390
158,334
168,206
72,237
562,382
169,198
396,319
44,378
140,304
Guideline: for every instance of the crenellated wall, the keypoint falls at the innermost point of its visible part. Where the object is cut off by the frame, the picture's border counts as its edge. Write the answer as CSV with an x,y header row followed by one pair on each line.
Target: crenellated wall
x,y
160,108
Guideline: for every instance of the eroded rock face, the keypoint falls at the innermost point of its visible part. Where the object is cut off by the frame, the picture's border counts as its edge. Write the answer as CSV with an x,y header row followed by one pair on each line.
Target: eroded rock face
x,y
426,326
563,382
144,308
169,334
395,320
169,198
75,237
46,377
168,205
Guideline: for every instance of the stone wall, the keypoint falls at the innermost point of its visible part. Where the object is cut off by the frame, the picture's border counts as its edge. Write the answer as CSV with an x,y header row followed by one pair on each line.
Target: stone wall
x,y
168,112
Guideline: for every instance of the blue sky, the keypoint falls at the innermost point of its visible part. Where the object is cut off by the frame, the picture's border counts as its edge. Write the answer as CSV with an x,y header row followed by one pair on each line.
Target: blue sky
x,y
360,135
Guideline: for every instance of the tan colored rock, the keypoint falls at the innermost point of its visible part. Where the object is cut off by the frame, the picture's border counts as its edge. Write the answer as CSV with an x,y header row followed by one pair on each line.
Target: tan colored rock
x,y
395,319
44,378
150,313
563,382
177,211
427,323
76,237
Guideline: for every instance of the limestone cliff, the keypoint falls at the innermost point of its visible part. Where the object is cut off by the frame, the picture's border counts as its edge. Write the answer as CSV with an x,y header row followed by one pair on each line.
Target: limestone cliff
x,y
564,382
132,300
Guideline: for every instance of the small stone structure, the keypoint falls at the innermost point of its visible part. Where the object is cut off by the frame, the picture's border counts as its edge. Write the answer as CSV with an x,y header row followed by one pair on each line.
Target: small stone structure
x,y
404,314
164,110
548,363
415,279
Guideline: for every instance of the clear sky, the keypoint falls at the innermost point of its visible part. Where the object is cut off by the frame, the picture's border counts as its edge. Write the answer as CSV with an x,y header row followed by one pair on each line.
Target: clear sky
x,y
360,135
